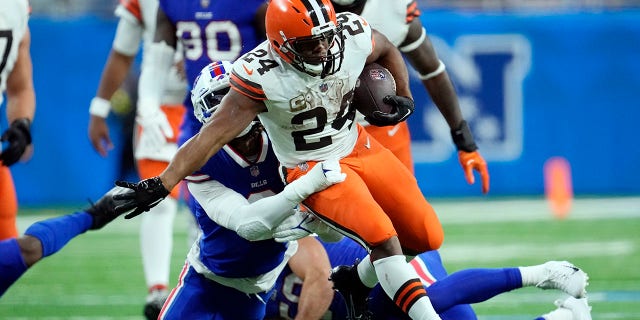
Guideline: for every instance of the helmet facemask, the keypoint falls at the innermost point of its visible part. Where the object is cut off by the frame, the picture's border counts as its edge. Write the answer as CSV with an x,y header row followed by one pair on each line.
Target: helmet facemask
x,y
300,50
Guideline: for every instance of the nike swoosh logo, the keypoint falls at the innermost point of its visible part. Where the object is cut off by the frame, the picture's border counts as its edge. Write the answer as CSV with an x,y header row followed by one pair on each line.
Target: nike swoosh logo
x,y
249,71
367,144
393,130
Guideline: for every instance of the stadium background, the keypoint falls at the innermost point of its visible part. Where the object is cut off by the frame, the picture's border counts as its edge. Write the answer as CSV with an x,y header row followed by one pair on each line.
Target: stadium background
x,y
535,82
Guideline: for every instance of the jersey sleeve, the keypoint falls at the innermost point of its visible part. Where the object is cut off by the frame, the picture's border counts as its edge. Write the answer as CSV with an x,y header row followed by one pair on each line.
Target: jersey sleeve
x,y
412,11
130,10
244,79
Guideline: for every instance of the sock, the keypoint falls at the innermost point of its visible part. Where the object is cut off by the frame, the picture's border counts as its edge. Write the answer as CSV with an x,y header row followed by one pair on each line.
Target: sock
x,y
401,283
531,275
156,242
367,272
472,286
55,233
12,265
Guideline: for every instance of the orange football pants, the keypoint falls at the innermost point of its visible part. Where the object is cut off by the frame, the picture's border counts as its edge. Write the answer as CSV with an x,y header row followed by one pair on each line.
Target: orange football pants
x,y
379,199
395,138
8,205
148,168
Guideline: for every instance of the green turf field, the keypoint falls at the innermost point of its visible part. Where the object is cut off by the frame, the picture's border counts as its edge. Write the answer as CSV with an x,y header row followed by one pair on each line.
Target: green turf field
x,y
99,274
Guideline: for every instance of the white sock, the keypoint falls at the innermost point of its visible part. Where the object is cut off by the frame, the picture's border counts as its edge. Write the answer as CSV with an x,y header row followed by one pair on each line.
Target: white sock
x,y
156,241
531,275
367,272
396,274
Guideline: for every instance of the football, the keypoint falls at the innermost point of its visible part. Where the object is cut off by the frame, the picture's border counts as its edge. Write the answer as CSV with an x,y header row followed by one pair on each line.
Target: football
x,y
374,83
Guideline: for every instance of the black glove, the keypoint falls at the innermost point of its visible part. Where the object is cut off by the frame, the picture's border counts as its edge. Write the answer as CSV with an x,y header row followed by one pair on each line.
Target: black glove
x,y
402,108
19,137
143,196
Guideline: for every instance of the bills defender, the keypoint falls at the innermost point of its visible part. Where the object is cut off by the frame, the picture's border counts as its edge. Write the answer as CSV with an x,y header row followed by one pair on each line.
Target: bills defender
x,y
299,83
155,138
450,294
16,81
239,199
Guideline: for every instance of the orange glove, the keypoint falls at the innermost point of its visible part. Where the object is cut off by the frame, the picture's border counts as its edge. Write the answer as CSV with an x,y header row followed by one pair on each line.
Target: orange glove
x,y
474,161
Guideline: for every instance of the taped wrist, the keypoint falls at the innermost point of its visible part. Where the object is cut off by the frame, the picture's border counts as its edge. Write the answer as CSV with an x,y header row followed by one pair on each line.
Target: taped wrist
x,y
24,126
462,138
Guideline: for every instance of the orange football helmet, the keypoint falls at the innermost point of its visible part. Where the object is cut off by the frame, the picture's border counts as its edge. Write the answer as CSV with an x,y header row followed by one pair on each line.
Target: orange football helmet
x,y
295,28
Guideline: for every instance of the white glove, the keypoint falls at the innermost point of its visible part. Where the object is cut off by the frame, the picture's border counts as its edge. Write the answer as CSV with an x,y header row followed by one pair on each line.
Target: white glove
x,y
302,224
323,175
155,130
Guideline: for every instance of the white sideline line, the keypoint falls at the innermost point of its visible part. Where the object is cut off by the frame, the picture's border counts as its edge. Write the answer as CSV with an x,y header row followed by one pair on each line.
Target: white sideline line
x,y
487,252
479,211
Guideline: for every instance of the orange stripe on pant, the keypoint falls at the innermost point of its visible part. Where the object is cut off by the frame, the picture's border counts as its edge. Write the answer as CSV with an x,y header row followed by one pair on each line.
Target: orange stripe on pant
x,y
8,205
379,199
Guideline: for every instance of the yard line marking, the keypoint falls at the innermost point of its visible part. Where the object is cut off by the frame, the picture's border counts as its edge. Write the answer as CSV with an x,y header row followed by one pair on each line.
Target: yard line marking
x,y
488,252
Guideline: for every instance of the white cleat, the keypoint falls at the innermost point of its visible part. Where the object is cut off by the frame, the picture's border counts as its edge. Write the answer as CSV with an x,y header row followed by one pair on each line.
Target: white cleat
x,y
579,307
564,276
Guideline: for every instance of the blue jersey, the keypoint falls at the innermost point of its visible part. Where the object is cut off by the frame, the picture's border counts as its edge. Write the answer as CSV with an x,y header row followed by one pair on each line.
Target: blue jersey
x,y
211,31
222,250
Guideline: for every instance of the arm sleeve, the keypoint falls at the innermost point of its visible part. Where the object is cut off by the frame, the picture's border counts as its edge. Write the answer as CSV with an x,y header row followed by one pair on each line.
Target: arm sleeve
x,y
252,221
128,37
156,65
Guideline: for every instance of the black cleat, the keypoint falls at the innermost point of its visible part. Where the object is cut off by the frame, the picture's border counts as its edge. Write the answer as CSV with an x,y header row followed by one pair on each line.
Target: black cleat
x,y
347,282
104,210
155,301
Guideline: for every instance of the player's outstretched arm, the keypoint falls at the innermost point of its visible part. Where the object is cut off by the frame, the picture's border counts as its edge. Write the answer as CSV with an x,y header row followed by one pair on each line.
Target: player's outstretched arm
x,y
257,220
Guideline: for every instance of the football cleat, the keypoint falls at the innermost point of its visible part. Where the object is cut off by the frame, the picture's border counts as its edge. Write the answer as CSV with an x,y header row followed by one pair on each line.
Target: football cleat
x,y
104,210
564,276
355,294
155,301
580,308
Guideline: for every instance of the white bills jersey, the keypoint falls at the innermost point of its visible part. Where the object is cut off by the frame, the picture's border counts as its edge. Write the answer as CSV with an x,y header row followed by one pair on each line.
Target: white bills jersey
x,y
14,15
307,118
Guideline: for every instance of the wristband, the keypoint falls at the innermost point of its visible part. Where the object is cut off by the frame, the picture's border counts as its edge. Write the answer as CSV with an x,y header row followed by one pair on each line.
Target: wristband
x,y
99,107
463,139
439,70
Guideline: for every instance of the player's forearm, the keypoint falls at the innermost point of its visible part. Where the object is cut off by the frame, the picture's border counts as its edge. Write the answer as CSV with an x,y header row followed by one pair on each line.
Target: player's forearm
x,y
315,297
21,99
444,96
113,75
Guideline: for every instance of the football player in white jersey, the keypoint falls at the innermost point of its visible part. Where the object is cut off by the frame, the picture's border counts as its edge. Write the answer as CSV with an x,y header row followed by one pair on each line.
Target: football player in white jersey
x,y
155,138
16,80
300,83
400,22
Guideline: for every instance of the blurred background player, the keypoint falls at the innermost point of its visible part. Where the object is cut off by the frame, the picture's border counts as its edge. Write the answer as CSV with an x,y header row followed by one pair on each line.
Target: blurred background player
x,y
400,22
47,237
450,294
155,136
238,201
16,80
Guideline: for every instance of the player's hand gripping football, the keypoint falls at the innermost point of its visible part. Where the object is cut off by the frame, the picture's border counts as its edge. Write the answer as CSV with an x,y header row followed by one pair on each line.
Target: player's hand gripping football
x,y
141,197
403,107
18,137
470,158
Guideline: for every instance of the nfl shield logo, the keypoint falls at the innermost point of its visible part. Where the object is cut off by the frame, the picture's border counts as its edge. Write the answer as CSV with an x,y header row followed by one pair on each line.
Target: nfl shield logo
x,y
324,87
377,74
303,166
205,3
255,171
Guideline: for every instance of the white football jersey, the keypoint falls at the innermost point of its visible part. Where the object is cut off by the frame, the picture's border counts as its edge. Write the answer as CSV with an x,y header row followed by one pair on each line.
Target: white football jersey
x,y
142,13
14,16
389,17
307,118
